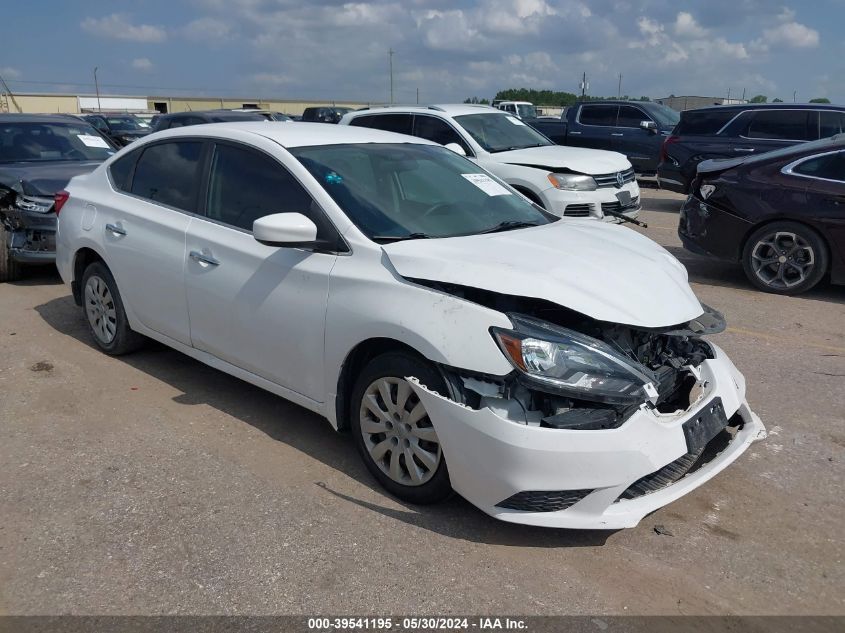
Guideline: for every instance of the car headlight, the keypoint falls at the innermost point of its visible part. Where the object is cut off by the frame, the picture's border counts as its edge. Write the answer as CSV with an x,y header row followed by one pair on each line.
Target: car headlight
x,y
573,364
38,204
573,182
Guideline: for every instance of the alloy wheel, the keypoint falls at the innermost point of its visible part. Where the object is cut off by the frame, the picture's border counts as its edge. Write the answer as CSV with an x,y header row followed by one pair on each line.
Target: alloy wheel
x,y
100,309
782,260
398,433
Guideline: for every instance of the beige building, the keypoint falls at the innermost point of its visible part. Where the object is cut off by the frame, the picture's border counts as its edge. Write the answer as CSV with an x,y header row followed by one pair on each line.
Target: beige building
x,y
75,104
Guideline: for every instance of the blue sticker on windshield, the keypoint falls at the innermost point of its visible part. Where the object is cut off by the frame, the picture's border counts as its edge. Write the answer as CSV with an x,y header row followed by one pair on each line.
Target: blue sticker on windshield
x,y
333,179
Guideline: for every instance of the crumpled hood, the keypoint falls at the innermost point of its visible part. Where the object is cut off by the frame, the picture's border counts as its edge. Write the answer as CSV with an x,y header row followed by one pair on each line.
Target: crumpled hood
x,y
610,273
577,159
42,178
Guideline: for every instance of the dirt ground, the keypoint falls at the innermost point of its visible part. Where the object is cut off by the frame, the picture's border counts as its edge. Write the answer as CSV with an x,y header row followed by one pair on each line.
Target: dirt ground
x,y
152,484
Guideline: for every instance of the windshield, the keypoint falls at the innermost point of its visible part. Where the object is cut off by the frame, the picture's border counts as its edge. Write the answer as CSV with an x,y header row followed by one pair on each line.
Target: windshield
x,y
126,123
501,132
526,111
30,142
664,115
407,191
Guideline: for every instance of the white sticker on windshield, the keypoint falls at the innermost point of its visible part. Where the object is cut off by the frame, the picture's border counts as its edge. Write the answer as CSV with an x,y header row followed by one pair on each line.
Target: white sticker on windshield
x,y
487,184
92,141
515,121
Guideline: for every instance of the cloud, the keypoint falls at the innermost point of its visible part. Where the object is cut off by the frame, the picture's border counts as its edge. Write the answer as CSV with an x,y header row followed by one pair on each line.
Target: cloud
x,y
791,34
686,26
7,72
117,26
143,64
207,28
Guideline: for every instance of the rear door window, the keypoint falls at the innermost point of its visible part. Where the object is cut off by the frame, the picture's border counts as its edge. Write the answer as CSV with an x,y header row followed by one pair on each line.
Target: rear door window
x,y
399,123
168,173
121,170
787,125
831,123
703,122
601,115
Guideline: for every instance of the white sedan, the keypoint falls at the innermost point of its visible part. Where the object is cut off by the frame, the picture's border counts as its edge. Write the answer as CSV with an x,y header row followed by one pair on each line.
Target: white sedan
x,y
552,372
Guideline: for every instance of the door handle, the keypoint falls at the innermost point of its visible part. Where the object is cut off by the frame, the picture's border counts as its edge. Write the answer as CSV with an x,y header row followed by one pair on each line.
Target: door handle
x,y
575,132
616,134
204,260
116,229
743,149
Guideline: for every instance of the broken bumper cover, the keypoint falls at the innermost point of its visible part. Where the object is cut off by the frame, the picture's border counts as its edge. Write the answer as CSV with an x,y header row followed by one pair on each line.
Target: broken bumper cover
x,y
491,458
32,236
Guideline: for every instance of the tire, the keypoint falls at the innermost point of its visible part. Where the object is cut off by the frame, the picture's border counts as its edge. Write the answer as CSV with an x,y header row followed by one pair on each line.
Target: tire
x,y
382,430
785,258
10,270
104,313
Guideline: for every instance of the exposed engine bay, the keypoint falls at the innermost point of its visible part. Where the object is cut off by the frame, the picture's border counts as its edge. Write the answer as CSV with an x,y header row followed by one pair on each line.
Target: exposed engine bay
x,y
670,356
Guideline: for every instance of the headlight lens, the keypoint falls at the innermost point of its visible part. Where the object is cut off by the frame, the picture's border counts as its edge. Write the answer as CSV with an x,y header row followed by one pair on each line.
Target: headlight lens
x,y
573,182
574,364
38,204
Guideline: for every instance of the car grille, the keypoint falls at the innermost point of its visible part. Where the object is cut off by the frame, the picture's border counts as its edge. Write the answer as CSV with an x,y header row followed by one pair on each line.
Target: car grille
x,y
609,180
543,500
617,206
577,211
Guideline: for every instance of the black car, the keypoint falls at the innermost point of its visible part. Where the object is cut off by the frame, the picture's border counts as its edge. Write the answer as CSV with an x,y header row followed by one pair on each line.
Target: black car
x,y
782,214
182,119
39,154
737,130
121,128
325,114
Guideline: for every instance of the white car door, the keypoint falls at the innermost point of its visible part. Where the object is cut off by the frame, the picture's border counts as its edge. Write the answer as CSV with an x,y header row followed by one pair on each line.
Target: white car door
x,y
143,231
258,307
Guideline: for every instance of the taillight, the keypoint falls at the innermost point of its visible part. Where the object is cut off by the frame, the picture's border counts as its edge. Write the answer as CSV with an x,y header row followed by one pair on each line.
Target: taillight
x,y
60,198
669,139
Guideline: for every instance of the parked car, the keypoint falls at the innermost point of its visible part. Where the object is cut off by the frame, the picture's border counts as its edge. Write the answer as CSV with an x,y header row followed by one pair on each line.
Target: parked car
x,y
634,128
519,109
38,155
199,117
120,127
737,130
324,114
552,372
781,214
566,181
270,115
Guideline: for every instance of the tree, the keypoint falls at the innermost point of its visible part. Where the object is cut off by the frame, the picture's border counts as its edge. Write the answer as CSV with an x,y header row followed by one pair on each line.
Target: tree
x,y
476,100
759,99
538,97
776,100
820,100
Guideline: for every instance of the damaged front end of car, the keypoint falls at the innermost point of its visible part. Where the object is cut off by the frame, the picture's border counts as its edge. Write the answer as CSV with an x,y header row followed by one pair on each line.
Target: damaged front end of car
x,y
29,224
598,424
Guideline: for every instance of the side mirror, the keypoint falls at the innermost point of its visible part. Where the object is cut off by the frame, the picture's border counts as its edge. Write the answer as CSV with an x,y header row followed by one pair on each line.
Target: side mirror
x,y
284,229
455,148
651,126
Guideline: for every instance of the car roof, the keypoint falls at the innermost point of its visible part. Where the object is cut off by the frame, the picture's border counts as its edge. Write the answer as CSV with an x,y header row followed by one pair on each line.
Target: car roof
x,y
450,109
741,107
41,118
294,134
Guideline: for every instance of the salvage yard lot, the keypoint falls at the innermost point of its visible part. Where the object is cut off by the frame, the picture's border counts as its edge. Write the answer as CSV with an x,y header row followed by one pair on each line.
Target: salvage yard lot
x,y
154,484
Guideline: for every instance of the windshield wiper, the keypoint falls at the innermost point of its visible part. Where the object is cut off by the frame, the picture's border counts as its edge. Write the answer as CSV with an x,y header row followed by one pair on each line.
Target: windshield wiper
x,y
509,225
386,239
516,147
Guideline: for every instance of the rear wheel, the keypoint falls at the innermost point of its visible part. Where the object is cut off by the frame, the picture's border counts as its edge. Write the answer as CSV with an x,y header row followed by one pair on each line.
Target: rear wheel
x,y
105,314
10,270
785,258
392,430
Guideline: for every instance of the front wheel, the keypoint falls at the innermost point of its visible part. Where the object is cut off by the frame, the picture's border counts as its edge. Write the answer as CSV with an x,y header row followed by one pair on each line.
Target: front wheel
x,y
392,430
785,258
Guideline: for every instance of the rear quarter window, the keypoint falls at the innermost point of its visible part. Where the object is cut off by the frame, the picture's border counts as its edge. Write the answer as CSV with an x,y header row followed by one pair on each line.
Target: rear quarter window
x,y
703,122
121,170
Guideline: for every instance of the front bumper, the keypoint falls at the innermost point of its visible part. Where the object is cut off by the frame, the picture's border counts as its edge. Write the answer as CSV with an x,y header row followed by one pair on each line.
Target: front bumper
x,y
32,236
589,204
491,458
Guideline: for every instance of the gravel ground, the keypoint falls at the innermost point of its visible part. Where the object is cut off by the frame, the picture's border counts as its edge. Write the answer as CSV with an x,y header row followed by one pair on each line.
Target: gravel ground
x,y
152,484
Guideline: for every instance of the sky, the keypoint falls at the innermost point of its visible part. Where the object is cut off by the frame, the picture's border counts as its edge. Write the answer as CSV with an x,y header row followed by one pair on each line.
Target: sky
x,y
447,49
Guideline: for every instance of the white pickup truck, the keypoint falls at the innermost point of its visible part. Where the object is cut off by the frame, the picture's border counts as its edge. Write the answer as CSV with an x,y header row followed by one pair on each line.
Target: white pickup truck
x,y
566,181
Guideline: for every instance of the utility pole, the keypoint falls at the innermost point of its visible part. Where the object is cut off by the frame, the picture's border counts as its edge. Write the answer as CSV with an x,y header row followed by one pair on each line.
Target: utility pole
x,y
97,88
743,94
794,95
390,54
418,96
584,87
619,91
729,96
